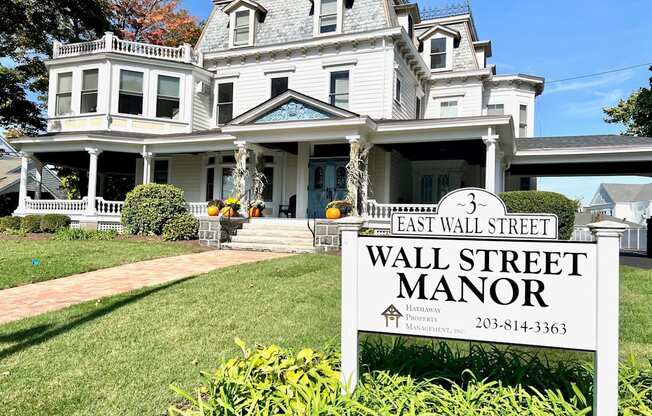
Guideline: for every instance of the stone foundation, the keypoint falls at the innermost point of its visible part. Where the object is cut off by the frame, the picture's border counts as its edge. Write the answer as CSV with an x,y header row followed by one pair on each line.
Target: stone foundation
x,y
327,236
213,231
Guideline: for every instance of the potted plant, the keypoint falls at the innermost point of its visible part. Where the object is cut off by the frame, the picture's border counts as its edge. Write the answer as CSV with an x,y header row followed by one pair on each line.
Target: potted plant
x,y
214,207
256,208
231,208
338,209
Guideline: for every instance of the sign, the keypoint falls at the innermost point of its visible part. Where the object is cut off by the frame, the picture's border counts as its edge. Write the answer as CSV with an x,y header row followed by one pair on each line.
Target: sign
x,y
474,212
473,271
529,293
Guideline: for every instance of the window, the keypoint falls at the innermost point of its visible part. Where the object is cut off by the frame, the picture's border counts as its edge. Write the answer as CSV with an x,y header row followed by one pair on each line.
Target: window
x,y
161,169
167,97
210,183
339,89
130,98
525,184
268,190
417,108
279,86
427,189
227,182
328,16
410,26
319,178
89,91
448,109
397,89
438,53
224,102
495,109
241,30
522,121
64,94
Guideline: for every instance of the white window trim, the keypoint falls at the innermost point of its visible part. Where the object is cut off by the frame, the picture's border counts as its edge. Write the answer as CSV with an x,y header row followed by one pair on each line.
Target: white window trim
x,y
216,166
252,23
328,84
217,95
75,104
398,78
316,16
273,75
116,91
151,171
449,52
489,104
156,74
528,127
452,99
97,91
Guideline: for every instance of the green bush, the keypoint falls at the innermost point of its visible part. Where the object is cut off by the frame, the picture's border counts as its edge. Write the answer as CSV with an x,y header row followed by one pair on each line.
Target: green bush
x,y
9,223
69,234
271,381
31,223
148,208
543,202
181,227
52,222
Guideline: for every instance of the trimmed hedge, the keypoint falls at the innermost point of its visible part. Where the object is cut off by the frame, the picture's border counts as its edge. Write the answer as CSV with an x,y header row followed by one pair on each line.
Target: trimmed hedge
x,y
9,223
31,223
50,223
149,207
181,227
543,202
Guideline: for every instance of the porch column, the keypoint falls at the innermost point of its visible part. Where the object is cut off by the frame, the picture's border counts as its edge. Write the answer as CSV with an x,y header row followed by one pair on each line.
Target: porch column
x,y
303,156
39,180
241,170
147,166
24,172
490,179
93,153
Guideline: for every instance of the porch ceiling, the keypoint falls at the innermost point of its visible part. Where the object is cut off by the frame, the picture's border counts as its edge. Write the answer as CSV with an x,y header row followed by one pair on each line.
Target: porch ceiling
x,y
473,151
113,162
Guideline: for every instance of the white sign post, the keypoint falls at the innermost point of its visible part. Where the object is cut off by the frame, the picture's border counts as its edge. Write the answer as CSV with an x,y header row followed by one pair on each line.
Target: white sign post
x,y
472,271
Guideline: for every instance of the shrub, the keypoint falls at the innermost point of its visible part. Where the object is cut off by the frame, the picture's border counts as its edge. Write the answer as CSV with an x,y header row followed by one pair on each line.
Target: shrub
x,y
9,223
543,202
52,222
69,234
148,207
271,381
31,223
181,227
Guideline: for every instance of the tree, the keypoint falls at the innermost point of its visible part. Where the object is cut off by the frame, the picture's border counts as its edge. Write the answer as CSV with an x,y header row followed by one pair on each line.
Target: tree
x,y
27,30
635,112
154,21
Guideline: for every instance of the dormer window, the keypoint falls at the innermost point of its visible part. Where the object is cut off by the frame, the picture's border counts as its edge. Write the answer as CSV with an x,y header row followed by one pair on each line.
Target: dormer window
x,y
328,16
436,46
438,53
241,29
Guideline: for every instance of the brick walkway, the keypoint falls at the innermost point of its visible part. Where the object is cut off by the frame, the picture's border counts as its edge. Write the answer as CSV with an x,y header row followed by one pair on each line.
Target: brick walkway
x,y
29,300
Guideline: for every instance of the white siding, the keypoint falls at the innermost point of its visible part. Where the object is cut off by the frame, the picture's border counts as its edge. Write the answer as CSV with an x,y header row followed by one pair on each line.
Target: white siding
x,y
467,94
202,110
406,108
186,172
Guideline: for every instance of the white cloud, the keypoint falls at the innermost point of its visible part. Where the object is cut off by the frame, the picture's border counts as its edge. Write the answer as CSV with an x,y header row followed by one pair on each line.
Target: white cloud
x,y
607,79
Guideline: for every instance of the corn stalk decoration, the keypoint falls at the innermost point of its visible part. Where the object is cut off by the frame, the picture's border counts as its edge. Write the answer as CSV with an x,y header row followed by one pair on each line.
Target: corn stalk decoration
x,y
240,173
258,179
357,181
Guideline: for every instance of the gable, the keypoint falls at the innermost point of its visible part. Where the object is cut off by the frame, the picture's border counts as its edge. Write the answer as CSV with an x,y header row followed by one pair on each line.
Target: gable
x,y
293,110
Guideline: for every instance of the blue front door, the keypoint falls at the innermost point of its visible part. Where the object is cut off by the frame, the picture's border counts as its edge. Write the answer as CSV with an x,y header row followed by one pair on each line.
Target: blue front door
x,y
327,183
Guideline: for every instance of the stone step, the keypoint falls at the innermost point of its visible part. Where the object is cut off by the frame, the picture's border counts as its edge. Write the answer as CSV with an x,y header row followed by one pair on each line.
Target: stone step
x,y
267,232
280,240
280,248
275,226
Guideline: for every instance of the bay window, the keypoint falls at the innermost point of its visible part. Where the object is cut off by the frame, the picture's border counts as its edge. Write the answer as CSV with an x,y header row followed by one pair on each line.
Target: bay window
x,y
130,97
64,94
167,97
339,89
224,102
89,91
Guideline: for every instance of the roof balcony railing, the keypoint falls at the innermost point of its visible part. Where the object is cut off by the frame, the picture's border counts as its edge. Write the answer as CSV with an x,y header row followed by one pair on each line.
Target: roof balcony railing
x,y
111,43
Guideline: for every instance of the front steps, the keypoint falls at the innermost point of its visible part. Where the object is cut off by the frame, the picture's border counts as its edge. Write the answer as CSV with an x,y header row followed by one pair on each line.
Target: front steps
x,y
273,234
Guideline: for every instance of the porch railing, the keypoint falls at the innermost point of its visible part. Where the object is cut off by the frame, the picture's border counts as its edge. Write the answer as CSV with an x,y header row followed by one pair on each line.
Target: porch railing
x,y
197,209
383,212
103,207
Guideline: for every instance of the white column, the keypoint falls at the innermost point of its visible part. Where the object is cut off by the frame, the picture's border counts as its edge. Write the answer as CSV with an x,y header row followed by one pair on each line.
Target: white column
x,y
605,391
92,179
303,156
349,227
147,166
491,144
38,176
241,164
24,174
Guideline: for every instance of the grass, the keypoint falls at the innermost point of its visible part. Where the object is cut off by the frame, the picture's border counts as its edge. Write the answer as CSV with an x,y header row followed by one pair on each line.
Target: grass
x,y
63,258
118,356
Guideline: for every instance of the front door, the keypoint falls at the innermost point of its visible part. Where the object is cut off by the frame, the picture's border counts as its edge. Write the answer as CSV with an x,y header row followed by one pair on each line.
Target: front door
x,y
327,182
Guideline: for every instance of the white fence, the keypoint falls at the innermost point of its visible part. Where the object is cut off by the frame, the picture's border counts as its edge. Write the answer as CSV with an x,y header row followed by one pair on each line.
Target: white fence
x,y
103,207
633,239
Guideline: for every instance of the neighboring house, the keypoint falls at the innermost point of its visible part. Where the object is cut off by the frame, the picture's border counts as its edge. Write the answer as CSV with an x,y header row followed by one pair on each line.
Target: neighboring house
x,y
628,202
583,219
294,89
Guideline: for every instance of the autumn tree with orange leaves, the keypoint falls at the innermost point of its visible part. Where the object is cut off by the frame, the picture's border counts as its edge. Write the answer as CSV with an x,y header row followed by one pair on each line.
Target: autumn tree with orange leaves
x,y
159,22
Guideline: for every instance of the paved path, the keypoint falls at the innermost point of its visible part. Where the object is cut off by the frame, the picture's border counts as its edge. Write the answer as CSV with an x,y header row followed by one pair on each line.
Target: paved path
x,y
29,300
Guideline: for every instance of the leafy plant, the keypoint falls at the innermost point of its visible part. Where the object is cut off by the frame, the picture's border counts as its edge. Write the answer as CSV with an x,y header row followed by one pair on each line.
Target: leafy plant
x,y
181,227
149,207
50,223
69,234
9,223
31,223
542,201
344,206
216,203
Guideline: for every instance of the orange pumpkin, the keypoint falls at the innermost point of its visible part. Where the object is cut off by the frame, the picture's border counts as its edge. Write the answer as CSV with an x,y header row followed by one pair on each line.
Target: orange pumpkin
x,y
333,213
254,212
213,211
228,212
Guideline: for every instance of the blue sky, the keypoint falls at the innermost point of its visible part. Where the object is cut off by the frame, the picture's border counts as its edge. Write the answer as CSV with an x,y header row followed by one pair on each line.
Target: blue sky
x,y
557,40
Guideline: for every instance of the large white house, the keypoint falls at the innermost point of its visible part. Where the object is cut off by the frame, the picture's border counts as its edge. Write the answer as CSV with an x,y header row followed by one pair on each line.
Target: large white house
x,y
628,202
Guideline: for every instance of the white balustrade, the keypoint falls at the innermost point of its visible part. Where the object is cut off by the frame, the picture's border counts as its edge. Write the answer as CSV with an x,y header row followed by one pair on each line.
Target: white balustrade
x,y
56,206
104,207
383,212
197,209
113,44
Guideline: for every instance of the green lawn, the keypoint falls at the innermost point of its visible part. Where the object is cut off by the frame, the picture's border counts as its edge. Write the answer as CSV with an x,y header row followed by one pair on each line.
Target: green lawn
x,y
118,356
63,258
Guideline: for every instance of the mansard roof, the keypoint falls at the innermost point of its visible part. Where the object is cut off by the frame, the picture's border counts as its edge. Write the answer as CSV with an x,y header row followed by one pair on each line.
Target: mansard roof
x,y
291,106
249,3
291,21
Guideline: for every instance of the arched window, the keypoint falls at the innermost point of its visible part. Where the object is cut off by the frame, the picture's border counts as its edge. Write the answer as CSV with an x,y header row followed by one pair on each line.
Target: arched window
x,y
319,178
340,177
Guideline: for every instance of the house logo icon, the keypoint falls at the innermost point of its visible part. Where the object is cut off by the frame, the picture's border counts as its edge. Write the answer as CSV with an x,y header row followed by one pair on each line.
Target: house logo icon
x,y
391,314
